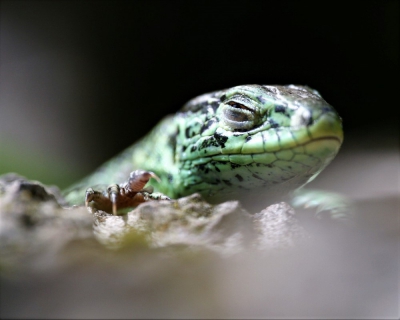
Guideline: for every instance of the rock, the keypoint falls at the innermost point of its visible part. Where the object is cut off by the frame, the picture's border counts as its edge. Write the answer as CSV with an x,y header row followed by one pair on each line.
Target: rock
x,y
36,229
278,227
188,221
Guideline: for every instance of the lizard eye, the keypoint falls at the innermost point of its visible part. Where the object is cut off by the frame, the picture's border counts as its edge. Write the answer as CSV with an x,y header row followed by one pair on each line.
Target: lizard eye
x,y
237,116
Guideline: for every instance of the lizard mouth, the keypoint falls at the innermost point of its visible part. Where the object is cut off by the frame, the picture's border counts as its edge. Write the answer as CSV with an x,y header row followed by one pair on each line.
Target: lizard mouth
x,y
320,148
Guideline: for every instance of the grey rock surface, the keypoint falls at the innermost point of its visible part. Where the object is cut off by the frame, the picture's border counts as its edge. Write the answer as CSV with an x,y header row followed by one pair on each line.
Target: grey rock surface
x,y
186,258
35,226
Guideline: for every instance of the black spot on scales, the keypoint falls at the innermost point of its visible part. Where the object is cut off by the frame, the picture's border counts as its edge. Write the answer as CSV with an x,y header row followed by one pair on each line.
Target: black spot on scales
x,y
220,139
248,138
261,99
227,182
187,132
234,165
310,122
223,97
203,106
207,125
193,148
239,177
273,124
172,142
257,176
214,105
281,109
209,142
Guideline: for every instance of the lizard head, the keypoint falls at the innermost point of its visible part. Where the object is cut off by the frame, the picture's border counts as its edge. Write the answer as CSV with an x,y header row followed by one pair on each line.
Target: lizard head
x,y
256,139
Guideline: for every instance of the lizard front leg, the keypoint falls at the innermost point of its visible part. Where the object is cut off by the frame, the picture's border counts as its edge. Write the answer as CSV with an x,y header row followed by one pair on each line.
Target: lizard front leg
x,y
127,195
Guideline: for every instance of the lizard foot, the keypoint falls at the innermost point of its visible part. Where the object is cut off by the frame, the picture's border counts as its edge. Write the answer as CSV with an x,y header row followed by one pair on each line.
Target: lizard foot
x,y
127,195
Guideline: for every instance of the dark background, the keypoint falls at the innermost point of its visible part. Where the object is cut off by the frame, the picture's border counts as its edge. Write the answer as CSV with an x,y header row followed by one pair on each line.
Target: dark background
x,y
82,80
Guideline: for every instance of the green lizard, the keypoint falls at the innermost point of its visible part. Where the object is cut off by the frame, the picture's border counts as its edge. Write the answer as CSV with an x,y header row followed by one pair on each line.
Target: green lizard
x,y
255,143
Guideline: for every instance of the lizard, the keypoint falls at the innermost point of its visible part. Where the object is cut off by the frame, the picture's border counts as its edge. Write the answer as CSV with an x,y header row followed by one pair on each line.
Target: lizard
x,y
255,143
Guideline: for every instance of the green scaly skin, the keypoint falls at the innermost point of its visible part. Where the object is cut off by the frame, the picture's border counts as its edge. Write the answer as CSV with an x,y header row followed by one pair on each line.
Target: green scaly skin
x,y
256,143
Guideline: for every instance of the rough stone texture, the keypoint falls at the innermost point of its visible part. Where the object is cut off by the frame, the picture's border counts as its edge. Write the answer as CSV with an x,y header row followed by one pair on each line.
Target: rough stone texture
x,y
278,227
189,259
35,228
188,221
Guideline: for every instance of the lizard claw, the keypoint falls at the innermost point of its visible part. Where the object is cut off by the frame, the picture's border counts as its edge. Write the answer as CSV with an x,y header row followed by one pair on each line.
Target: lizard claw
x,y
89,196
113,193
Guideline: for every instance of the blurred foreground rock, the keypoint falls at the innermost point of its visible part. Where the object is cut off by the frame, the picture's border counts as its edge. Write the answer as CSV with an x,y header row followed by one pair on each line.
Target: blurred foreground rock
x,y
35,227
187,258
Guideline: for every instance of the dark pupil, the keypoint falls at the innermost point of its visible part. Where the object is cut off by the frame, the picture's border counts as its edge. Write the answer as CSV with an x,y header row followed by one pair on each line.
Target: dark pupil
x,y
237,105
